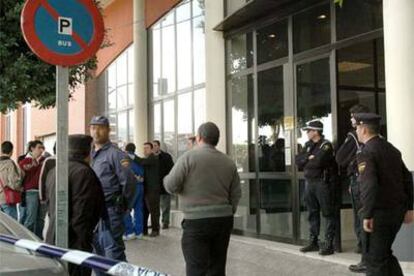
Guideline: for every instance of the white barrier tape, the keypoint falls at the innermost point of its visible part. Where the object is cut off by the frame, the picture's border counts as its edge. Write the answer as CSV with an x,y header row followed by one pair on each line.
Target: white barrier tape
x,y
112,267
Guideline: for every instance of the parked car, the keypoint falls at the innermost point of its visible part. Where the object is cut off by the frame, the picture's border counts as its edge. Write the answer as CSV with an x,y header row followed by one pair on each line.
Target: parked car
x,y
21,262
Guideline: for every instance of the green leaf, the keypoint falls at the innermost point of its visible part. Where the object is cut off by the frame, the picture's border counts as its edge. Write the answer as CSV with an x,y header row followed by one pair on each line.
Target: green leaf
x,y
339,2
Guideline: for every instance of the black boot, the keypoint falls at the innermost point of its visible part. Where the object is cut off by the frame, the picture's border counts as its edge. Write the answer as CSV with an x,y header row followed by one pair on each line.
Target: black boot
x,y
312,246
327,248
358,268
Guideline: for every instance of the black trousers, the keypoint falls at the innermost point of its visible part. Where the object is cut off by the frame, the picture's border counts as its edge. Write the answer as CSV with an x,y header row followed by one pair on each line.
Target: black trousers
x,y
204,244
319,198
377,252
152,206
356,203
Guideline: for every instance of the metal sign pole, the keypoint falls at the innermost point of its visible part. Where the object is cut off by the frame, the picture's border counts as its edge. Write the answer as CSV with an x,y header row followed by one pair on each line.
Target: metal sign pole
x,y
62,210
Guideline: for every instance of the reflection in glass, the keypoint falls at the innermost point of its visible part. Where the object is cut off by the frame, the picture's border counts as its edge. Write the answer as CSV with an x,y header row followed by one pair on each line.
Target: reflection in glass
x,y
199,108
112,101
121,69
272,42
271,113
169,127
184,54
122,128
243,136
168,60
311,28
157,121
356,65
156,61
240,53
199,50
313,97
382,111
131,125
245,217
365,16
276,207
380,61
111,77
184,121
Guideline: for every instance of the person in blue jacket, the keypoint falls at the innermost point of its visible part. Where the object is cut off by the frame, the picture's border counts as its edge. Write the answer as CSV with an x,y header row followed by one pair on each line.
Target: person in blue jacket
x,y
134,226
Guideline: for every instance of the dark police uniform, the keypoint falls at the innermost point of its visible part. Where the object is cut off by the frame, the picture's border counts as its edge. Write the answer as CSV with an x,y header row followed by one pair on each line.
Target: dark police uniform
x,y
319,174
386,195
118,184
346,157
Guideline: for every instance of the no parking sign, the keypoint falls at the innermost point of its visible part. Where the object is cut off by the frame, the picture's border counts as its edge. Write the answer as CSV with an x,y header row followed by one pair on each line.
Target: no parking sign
x,y
60,32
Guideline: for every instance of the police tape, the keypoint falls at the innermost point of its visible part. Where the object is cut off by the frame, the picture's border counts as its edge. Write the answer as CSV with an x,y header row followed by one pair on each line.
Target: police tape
x,y
86,259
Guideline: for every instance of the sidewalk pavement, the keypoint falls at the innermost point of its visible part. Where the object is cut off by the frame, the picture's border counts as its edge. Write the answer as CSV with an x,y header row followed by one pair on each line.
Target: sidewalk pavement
x,y
246,256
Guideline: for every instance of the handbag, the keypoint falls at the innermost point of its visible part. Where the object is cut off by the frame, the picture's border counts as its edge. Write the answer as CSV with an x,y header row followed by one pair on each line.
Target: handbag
x,y
12,196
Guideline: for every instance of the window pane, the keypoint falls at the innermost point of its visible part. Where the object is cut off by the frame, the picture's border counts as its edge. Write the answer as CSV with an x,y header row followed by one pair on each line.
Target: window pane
x,y
356,65
122,97
131,126
156,61
131,64
185,122
276,207
169,127
183,11
112,77
184,54
383,112
271,120
199,50
157,121
198,7
122,128
113,124
112,101
121,69
313,97
130,94
243,121
240,53
272,42
169,19
311,28
199,108
380,61
357,17
168,60
245,218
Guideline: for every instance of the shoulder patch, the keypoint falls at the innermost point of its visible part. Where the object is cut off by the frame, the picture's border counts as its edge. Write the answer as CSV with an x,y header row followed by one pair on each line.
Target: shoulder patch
x,y
361,167
125,162
326,147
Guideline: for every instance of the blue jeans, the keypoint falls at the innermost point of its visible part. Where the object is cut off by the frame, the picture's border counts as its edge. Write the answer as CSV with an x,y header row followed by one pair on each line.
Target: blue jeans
x,y
108,239
136,225
10,210
34,213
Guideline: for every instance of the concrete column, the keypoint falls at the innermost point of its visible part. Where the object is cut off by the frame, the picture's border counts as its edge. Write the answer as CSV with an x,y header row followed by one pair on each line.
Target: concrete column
x,y
215,70
140,75
399,68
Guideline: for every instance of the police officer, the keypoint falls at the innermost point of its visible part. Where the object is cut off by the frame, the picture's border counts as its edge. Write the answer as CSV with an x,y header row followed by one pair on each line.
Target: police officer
x,y
386,196
118,184
318,163
346,157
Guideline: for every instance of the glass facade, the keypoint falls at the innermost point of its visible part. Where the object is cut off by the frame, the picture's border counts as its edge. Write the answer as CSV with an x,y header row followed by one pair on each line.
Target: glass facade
x,y
120,97
312,64
177,75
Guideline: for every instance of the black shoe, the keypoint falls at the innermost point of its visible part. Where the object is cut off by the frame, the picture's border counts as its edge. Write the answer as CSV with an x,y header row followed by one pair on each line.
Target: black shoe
x,y
165,226
327,249
154,234
311,247
358,268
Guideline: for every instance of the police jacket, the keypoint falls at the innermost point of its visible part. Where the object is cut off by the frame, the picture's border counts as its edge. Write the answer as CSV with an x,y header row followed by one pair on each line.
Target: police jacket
x,y
346,154
385,181
115,179
322,163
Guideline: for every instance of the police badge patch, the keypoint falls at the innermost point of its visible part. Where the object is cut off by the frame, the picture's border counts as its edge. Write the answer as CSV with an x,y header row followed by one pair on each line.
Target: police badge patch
x,y
361,167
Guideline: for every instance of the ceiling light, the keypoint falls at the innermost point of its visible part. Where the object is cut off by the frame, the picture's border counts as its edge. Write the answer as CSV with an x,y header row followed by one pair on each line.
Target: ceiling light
x,y
272,35
322,16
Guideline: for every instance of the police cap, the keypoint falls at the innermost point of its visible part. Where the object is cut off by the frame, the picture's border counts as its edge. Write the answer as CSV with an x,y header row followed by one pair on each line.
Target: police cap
x,y
314,125
99,120
367,119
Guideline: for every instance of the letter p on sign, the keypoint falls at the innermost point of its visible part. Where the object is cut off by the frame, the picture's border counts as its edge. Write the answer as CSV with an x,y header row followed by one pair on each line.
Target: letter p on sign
x,y
65,26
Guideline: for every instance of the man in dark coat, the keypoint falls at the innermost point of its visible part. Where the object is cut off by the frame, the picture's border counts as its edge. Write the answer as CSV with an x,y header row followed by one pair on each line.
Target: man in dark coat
x,y
86,200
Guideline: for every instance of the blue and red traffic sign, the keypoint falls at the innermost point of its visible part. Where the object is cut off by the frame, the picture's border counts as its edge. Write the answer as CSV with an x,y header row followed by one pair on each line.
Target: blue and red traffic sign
x,y
60,32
